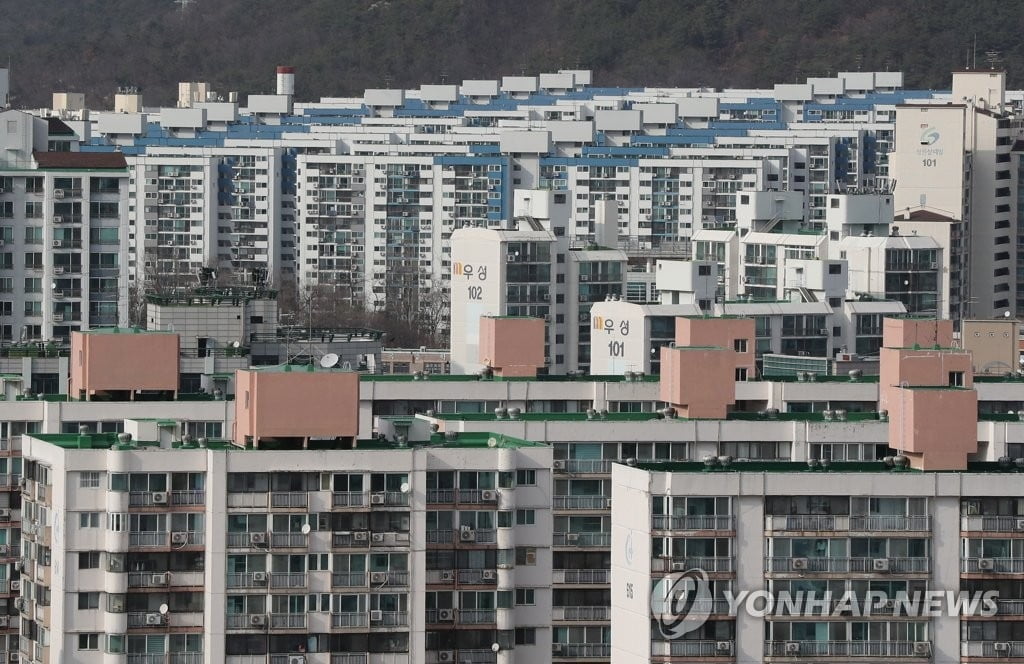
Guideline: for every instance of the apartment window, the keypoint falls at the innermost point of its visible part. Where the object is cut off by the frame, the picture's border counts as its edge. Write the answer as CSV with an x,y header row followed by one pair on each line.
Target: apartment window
x,y
835,268
524,597
741,374
88,519
525,517
89,641
526,555
526,477
88,560
505,519
956,378
88,601
835,302
703,270
526,636
739,345
119,481
89,480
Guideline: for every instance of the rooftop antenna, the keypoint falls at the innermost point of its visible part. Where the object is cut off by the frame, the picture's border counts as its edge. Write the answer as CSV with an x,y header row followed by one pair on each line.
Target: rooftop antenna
x,y
992,58
444,77
975,51
387,81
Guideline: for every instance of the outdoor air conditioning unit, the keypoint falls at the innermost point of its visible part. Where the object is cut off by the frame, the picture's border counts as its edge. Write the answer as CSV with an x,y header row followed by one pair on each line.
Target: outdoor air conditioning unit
x,y
4,549
257,539
58,269
489,496
1019,525
378,538
296,659
258,620
377,498
58,193
446,655
922,647
57,243
556,648
558,464
679,566
572,538
159,579
489,575
15,586
467,535
259,577
5,512
792,647
823,331
933,265
58,219
880,564
445,615
723,646
1001,646
447,576
361,536
376,615
154,619
798,563
4,620
378,577
21,603
179,538
159,497
987,564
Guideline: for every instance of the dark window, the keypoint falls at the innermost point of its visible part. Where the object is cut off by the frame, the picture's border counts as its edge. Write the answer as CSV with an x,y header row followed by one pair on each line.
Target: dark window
x,y
835,268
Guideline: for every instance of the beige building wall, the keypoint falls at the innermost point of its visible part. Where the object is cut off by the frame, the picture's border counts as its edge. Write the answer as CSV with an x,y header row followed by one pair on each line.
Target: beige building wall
x,y
992,343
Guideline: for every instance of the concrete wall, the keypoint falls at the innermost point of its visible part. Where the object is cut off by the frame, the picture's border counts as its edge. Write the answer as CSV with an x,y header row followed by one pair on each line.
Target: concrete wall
x,y
303,404
125,361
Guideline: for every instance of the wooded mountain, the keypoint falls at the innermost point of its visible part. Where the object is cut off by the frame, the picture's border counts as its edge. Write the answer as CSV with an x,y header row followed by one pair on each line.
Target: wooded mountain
x,y
341,47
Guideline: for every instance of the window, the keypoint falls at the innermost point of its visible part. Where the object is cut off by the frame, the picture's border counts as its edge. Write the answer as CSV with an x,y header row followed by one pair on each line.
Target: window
x,y
89,520
89,480
526,636
89,641
833,202
525,517
88,601
526,555
524,597
703,270
956,378
835,268
739,345
835,302
88,560
526,477
505,519
741,374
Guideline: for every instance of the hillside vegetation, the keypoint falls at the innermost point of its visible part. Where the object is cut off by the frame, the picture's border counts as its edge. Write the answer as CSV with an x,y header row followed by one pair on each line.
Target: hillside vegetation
x,y
343,46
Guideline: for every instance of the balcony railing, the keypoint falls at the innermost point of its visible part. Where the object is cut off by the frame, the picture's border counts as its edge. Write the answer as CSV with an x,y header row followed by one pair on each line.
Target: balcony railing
x,y
855,565
348,579
389,578
389,618
288,620
992,649
349,658
350,540
693,522
191,497
992,524
242,540
580,650
245,580
998,565
441,496
824,522
287,580
477,616
712,606
581,613
1010,607
582,539
289,540
847,649
721,564
477,577
348,499
581,502
289,499
389,498
243,620
581,576
147,538
356,619
588,466
683,648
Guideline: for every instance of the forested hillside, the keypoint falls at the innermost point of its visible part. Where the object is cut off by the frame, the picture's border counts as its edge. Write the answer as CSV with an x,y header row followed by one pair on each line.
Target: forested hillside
x,y
343,46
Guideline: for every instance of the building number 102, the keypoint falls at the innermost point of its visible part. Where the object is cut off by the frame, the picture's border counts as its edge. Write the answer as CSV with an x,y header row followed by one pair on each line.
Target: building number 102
x,y
475,292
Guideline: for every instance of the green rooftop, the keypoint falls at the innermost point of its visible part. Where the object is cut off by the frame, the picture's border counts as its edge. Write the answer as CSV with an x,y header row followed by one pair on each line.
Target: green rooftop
x,y
122,330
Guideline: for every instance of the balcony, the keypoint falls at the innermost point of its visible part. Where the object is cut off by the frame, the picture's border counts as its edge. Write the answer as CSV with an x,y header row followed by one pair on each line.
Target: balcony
x,y
356,619
843,523
588,466
354,658
582,502
477,577
389,578
288,621
581,576
992,524
581,613
464,536
348,580
581,650
246,580
693,522
148,539
289,499
348,499
477,496
441,496
477,616
287,580
683,648
581,539
188,498
389,618
162,579
719,564
992,649
351,540
389,498
245,540
289,540
847,648
849,565
245,620
992,565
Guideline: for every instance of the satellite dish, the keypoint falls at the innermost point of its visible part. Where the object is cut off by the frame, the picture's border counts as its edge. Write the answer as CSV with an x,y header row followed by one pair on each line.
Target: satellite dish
x,y
163,609
492,442
305,529
53,286
405,487
495,647
329,360
235,344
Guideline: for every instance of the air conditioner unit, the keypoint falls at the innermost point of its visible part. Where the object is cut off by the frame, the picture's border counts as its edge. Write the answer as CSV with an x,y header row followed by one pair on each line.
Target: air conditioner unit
x,y
15,657
467,535
258,620
259,577
880,564
922,647
798,563
57,243
489,575
159,497
447,576
489,496
159,579
723,646
257,539
4,549
377,498
15,586
361,536
179,538
1001,646
58,219
572,538
1019,525
5,513
58,318
58,269
986,564
445,615
376,615
4,620
377,538
378,577
154,619
933,265
679,566
446,655
558,464
296,659
792,647
21,603
823,331
58,193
